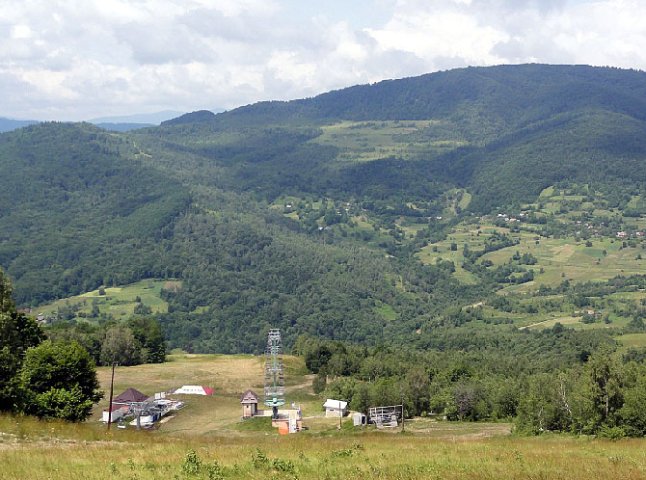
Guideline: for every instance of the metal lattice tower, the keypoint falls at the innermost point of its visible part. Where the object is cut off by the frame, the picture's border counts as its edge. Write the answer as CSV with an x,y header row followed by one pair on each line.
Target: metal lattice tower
x,y
274,376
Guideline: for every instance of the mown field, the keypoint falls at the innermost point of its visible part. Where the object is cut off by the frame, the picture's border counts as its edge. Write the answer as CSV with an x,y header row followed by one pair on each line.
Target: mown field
x,y
229,375
208,440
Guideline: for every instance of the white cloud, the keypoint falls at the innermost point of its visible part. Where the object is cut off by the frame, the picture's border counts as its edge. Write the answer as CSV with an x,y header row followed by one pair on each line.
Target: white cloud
x,y
444,34
74,59
20,32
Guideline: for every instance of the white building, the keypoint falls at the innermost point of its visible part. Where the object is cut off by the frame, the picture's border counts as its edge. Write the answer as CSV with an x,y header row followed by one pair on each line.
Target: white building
x,y
335,408
118,412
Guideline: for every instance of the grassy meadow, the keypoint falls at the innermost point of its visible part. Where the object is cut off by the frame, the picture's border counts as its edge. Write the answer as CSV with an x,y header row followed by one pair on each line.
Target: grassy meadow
x,y
117,301
367,141
207,439
228,375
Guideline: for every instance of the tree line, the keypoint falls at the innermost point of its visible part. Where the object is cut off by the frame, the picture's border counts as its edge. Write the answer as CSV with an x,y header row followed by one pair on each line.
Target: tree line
x,y
137,340
580,384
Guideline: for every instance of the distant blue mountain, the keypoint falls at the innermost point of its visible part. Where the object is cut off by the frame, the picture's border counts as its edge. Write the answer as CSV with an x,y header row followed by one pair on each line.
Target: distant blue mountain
x,y
123,127
122,123
8,124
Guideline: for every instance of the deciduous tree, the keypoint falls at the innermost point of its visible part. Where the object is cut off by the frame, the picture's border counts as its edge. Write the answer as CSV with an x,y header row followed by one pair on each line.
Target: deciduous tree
x,y
59,381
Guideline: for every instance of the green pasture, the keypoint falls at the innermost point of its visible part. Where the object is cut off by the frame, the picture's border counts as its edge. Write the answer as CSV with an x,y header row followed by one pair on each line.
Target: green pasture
x,y
386,311
456,200
565,258
117,301
444,253
411,228
353,456
462,234
372,140
465,201
632,340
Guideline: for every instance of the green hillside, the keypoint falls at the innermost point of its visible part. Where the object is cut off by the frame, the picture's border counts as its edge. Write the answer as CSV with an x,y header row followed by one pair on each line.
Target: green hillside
x,y
77,212
603,148
350,215
102,211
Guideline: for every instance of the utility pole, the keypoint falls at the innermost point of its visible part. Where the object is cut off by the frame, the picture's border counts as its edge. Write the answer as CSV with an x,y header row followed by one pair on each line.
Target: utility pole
x,y
111,393
403,421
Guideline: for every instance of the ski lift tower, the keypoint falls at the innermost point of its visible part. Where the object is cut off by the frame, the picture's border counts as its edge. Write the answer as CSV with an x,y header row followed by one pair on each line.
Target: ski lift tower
x,y
274,376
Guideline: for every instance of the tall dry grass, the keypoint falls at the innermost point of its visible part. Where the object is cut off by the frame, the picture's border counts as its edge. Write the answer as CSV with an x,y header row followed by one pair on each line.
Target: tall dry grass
x,y
37,450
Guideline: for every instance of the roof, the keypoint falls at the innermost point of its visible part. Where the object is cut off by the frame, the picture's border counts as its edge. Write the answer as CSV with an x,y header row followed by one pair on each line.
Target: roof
x,y
249,397
131,395
338,404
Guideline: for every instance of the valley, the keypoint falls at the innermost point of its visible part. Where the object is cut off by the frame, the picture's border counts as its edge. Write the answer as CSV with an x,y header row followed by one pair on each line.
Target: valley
x,y
472,239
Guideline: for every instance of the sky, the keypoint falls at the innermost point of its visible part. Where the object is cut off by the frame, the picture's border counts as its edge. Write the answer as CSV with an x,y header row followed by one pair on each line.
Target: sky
x,y
81,59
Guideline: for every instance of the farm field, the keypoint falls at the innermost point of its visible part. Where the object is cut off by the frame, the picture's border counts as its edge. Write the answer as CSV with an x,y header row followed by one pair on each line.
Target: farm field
x,y
567,259
559,258
581,251
632,340
207,439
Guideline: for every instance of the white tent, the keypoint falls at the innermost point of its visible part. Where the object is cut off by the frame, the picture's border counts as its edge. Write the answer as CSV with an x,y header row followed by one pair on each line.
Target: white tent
x,y
194,390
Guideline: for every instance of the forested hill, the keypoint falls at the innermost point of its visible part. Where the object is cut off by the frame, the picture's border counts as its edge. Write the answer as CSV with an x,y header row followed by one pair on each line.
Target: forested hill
x,y
504,133
82,208
77,212
490,101
313,215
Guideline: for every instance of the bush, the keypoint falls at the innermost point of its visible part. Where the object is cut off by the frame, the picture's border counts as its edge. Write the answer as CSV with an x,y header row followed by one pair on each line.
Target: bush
x,y
612,433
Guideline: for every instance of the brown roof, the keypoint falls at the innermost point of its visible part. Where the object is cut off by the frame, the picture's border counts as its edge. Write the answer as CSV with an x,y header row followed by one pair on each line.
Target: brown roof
x,y
131,395
249,397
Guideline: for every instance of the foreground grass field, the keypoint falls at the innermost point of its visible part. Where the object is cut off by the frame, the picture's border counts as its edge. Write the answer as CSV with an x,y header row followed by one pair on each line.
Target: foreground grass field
x,y
69,453
208,440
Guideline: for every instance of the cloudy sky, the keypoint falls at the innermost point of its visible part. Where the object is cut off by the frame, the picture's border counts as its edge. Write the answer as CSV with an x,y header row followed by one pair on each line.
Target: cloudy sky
x,y
78,59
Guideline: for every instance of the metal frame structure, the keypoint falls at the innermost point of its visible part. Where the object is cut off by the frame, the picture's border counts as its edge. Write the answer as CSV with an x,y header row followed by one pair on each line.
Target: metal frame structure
x,y
274,375
386,416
